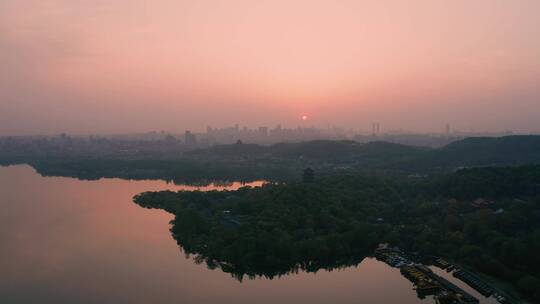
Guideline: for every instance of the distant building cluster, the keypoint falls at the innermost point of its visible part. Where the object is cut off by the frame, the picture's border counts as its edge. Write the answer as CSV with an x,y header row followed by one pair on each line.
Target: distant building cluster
x,y
265,136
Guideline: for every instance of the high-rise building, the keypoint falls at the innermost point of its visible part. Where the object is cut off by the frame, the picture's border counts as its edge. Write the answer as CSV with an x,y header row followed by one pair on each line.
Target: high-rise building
x,y
189,138
376,128
263,131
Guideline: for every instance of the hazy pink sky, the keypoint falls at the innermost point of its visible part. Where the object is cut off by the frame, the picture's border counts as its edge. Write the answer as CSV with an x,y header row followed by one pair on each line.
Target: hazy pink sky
x,y
103,66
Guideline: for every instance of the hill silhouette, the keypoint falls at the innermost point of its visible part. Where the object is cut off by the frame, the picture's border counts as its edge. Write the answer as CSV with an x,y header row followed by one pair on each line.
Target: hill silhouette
x,y
285,161
481,152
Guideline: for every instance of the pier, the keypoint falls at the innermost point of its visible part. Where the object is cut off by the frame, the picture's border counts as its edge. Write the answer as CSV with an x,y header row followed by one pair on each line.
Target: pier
x,y
425,281
474,281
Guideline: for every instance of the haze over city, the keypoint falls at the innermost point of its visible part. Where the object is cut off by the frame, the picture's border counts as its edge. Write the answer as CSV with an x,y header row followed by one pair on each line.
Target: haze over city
x,y
85,67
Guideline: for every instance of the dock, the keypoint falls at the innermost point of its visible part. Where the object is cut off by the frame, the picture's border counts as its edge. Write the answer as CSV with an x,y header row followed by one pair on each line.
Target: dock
x,y
462,294
474,281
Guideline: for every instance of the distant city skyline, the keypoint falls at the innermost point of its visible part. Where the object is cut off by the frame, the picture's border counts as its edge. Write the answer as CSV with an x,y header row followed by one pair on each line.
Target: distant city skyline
x,y
237,134
373,128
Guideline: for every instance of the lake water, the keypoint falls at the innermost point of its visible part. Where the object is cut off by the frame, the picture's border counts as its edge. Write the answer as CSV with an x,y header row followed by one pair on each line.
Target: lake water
x,y
63,240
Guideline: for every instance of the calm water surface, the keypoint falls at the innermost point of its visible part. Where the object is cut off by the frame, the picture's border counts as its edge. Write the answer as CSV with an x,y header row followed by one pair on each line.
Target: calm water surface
x,y
64,240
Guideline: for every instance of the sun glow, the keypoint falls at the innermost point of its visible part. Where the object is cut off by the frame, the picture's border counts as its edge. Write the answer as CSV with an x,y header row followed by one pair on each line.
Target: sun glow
x,y
304,117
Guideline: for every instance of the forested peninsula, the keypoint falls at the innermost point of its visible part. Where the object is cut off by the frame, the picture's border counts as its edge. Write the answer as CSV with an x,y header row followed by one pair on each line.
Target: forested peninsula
x,y
486,218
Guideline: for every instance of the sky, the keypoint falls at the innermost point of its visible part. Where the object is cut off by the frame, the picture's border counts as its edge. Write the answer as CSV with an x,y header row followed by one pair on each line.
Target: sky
x,y
118,66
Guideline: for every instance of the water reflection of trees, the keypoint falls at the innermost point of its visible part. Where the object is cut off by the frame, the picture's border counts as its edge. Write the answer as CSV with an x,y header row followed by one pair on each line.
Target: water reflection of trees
x,y
239,271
